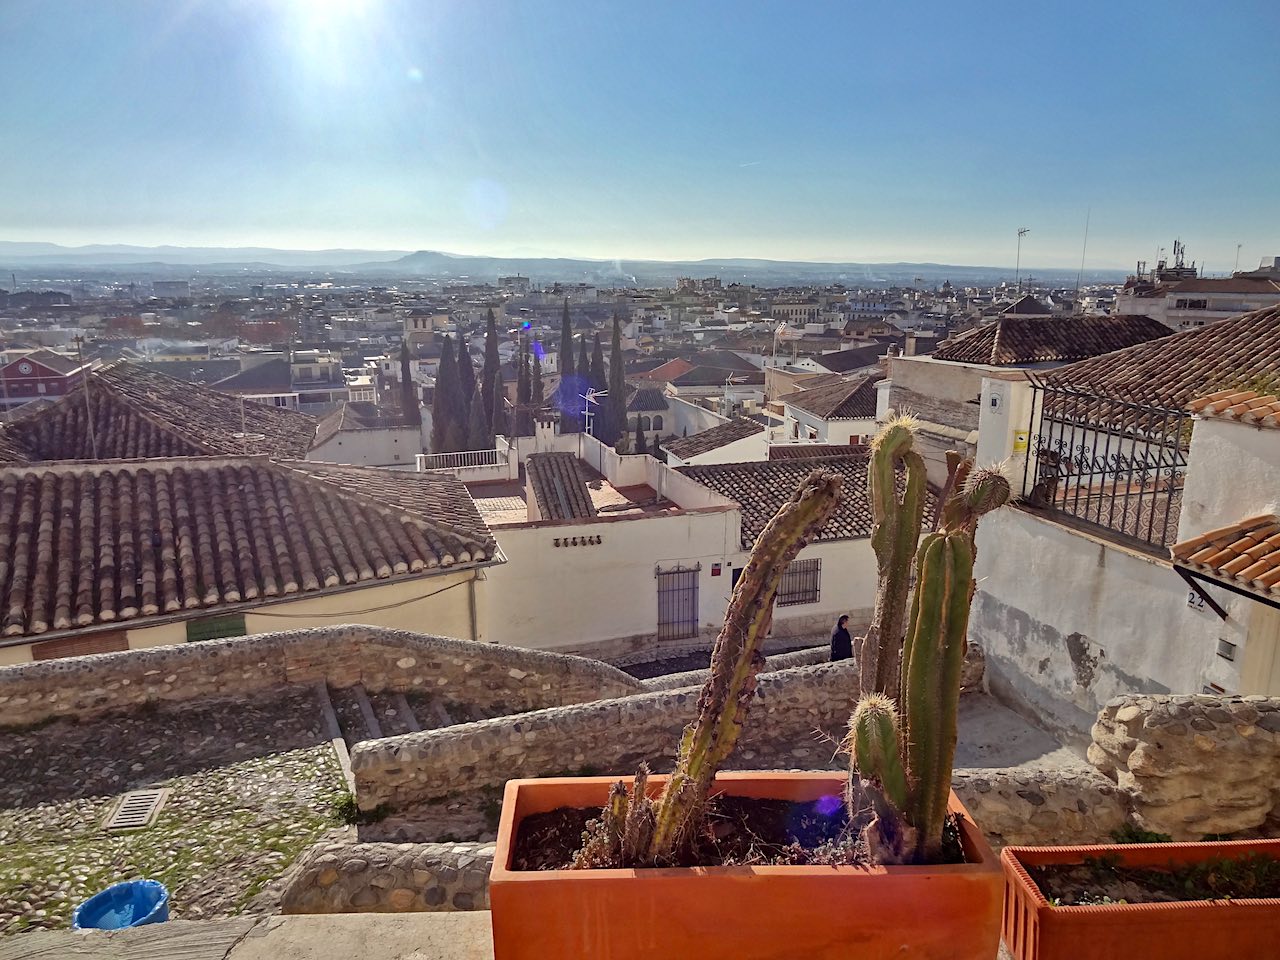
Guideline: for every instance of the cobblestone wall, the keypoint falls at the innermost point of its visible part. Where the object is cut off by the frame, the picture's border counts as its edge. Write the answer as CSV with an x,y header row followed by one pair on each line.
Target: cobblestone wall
x,y
481,674
1041,806
608,735
1195,765
389,878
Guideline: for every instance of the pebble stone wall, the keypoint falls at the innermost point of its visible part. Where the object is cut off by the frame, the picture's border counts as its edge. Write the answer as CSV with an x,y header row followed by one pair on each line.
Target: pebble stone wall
x,y
1195,765
480,674
1041,806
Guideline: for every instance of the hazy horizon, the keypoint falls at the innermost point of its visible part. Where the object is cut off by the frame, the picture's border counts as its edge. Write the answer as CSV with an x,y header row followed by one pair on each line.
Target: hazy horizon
x,y
828,133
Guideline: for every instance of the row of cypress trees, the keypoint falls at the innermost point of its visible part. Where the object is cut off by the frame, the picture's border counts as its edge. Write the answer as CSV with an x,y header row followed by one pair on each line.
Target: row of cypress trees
x,y
469,409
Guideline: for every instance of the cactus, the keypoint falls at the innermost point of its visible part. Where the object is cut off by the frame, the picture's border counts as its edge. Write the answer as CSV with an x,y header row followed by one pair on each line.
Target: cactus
x,y
637,830
907,820
895,532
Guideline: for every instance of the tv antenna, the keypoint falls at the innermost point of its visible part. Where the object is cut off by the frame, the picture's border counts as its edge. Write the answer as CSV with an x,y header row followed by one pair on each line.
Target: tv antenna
x,y
1085,247
591,397
1017,270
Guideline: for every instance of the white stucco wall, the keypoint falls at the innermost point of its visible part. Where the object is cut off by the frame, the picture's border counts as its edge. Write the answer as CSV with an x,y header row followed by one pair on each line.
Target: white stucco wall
x,y
824,431
746,450
1069,621
1233,472
371,447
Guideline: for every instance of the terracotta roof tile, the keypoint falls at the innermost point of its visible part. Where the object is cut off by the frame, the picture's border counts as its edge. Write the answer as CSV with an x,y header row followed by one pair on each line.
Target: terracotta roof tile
x,y
714,438
807,451
1247,552
139,412
84,544
847,400
1012,340
558,482
1175,370
1246,406
760,488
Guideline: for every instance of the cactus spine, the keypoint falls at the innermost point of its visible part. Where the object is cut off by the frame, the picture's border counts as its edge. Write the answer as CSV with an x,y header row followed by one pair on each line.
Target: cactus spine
x,y
907,824
656,831
895,532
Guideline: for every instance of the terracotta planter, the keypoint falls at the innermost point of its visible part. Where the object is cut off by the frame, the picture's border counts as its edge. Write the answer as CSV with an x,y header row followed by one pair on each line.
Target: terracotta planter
x,y
1194,930
744,913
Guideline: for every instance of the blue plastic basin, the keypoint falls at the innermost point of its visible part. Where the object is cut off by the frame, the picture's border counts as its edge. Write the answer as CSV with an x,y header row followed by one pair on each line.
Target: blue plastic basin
x,y
128,904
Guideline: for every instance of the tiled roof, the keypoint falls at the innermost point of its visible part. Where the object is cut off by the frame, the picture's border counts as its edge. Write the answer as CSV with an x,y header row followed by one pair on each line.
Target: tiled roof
x,y
1012,341
667,371
270,376
807,451
855,358
560,486
1026,305
1175,370
57,362
714,438
761,487
647,399
847,400
716,376
1226,285
1246,406
1247,552
138,412
198,371
84,544
357,415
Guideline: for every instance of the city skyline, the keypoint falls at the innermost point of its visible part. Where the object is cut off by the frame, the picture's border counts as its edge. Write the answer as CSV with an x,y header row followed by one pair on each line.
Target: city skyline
x,y
662,133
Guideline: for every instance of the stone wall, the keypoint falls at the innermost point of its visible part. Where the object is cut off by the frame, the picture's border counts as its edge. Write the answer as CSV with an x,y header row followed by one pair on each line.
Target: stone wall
x,y
389,878
609,735
1195,765
1019,806
774,662
481,674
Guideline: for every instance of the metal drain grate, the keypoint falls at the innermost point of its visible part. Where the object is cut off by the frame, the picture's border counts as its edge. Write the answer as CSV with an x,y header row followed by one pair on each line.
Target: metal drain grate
x,y
137,809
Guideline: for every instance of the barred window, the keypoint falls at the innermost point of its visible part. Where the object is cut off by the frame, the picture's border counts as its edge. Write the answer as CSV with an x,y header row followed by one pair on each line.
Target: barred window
x,y
802,583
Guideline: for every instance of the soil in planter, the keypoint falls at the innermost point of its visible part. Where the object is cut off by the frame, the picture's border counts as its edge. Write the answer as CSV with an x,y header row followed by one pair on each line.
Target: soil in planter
x,y
1103,880
740,830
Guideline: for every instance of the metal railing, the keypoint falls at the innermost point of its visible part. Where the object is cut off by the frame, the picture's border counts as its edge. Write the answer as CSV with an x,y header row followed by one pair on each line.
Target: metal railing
x,y
802,583
1116,466
464,458
678,602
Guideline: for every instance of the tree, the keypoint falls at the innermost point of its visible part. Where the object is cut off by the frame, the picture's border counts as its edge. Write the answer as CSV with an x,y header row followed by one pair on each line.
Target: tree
x,y
583,380
479,436
598,380
642,441
444,403
567,399
466,375
492,367
408,390
537,391
615,406
524,419
498,413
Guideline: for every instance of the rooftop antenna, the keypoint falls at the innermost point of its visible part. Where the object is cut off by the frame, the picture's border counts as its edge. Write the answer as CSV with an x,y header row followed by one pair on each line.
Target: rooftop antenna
x,y
1017,272
88,408
591,397
1237,266
1083,248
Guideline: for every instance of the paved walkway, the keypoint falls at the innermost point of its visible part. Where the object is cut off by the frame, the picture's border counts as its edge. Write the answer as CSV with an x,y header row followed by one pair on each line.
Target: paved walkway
x,y
413,936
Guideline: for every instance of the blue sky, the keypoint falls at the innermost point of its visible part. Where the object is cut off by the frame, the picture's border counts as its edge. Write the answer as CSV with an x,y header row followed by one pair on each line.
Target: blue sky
x,y
790,130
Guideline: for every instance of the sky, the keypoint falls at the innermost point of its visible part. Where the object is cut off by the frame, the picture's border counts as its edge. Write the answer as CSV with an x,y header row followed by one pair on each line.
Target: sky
x,y
894,131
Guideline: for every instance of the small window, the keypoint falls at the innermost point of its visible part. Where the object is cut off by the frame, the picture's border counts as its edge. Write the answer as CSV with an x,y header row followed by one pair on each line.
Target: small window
x,y
215,628
802,583
657,422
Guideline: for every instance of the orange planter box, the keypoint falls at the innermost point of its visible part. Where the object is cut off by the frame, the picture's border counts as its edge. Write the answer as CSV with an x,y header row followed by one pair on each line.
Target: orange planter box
x,y
949,912
1192,930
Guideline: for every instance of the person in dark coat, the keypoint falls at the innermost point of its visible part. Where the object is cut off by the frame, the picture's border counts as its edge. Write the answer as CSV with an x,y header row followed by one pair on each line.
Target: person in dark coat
x,y
841,642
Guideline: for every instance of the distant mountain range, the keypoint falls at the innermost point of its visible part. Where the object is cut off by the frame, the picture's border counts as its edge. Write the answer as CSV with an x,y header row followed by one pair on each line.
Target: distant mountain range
x,y
387,265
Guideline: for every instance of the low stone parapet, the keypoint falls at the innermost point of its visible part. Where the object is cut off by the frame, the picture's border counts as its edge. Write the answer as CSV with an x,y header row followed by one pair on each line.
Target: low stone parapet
x,y
1054,807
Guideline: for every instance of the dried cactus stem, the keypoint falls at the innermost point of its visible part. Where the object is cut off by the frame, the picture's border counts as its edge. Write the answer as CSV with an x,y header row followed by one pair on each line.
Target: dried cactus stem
x,y
736,659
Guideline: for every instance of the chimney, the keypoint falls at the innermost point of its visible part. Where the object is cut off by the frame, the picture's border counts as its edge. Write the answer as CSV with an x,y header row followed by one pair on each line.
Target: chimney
x,y
910,350
544,433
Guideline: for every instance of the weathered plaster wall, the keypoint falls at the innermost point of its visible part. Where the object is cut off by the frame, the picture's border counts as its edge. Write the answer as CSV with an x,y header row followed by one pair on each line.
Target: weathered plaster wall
x,y
612,735
942,396
1069,621
1233,472
1195,765
475,673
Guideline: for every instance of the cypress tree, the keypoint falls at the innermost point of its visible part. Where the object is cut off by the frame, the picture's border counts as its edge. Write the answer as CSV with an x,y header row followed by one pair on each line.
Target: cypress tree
x,y
537,392
498,414
583,380
524,418
478,435
598,379
466,375
616,402
444,411
492,367
567,399
409,405
642,441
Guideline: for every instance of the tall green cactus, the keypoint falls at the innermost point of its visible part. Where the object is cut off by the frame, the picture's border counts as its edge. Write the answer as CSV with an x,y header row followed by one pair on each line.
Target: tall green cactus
x,y
907,824
895,532
635,830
